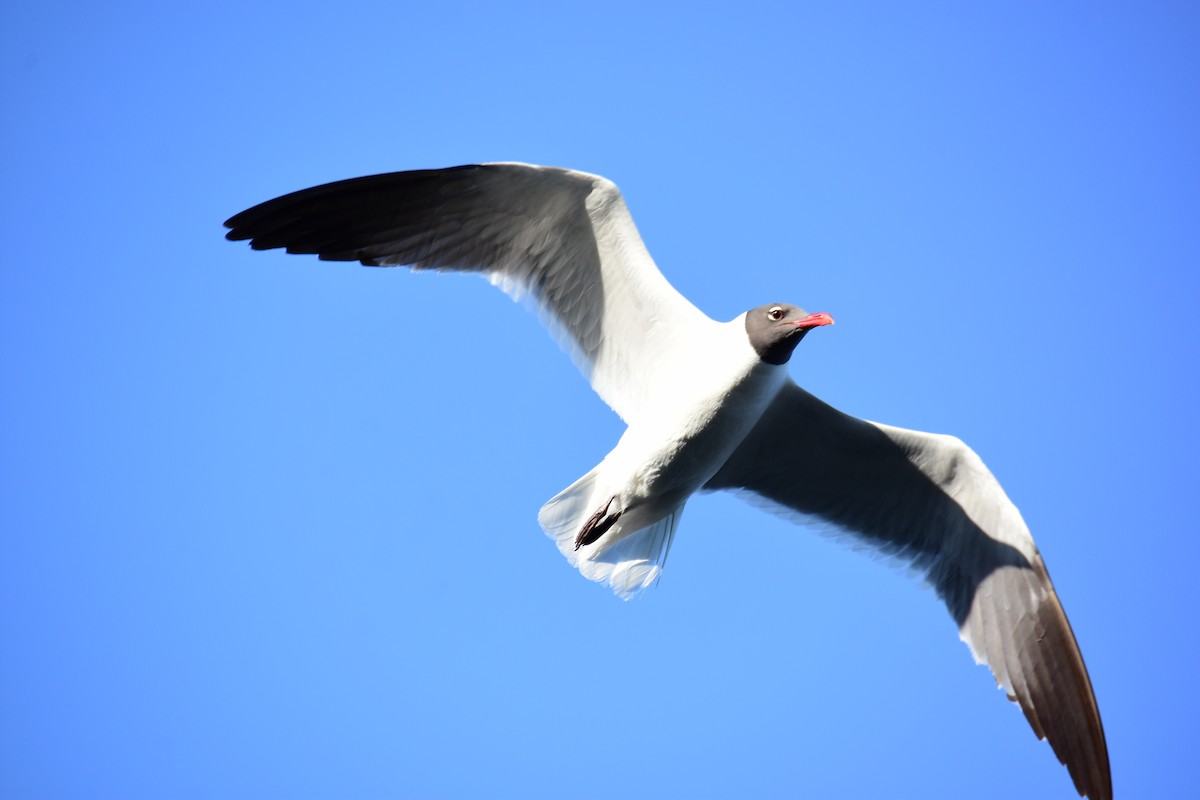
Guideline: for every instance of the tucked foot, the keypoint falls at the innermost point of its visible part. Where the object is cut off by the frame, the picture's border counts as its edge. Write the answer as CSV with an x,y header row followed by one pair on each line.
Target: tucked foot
x,y
597,524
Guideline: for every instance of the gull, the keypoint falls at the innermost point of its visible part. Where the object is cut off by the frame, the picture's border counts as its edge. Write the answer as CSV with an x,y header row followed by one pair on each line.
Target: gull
x,y
710,406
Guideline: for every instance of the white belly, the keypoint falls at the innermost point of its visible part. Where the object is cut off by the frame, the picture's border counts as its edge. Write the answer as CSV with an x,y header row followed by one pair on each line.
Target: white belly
x,y
670,453
679,439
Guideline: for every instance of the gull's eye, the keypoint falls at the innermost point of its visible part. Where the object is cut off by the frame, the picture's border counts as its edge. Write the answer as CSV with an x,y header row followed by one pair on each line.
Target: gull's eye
x,y
776,313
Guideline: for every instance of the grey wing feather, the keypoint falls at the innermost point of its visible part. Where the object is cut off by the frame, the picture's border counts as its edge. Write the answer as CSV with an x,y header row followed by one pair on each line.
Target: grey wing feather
x,y
561,238
930,500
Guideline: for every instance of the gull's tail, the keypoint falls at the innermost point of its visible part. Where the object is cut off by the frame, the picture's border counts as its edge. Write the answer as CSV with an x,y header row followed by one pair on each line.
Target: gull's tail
x,y
627,559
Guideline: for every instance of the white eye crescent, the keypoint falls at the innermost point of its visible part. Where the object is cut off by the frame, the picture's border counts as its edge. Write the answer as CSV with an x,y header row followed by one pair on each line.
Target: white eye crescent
x,y
776,313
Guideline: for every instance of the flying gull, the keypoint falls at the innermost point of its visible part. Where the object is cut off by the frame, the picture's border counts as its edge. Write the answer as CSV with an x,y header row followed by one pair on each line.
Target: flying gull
x,y
710,406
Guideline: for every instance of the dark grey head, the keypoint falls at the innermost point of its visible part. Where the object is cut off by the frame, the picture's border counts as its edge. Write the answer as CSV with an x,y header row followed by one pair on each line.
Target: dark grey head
x,y
775,329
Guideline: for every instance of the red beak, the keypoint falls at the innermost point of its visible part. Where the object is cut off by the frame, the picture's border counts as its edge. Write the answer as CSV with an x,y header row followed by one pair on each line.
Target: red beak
x,y
815,321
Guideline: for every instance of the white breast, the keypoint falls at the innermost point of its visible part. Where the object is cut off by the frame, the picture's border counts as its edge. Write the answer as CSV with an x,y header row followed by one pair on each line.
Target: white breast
x,y
687,433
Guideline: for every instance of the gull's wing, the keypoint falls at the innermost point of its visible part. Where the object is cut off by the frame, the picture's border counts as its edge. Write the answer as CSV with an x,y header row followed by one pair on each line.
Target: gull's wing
x,y
561,238
930,500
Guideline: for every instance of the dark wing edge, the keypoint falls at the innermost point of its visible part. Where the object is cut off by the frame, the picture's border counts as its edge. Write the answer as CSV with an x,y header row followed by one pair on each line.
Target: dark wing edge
x,y
518,223
929,500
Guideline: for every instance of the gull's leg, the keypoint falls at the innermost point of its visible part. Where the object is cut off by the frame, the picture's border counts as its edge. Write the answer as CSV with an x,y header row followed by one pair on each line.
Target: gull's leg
x,y
597,524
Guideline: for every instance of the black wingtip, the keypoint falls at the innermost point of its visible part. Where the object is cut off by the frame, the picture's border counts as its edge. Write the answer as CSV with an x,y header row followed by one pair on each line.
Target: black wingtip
x,y
237,227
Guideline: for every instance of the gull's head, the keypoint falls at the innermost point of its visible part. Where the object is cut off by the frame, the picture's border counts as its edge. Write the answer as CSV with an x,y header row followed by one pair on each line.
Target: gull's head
x,y
776,328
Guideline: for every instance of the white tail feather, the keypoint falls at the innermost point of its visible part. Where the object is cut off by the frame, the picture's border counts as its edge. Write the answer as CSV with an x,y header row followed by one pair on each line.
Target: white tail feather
x,y
628,561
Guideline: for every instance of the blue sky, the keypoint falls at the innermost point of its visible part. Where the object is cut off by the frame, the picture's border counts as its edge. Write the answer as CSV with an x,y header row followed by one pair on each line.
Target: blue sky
x,y
268,526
